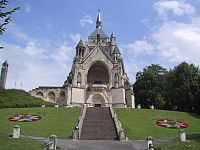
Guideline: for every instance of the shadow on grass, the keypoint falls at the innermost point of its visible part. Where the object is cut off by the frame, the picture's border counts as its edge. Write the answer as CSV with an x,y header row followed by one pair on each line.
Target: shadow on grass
x,y
194,115
70,137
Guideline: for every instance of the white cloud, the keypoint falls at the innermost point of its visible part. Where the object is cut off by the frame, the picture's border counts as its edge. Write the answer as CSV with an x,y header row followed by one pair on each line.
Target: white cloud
x,y
144,20
178,41
36,64
134,55
75,37
139,47
176,7
170,42
86,19
16,32
64,55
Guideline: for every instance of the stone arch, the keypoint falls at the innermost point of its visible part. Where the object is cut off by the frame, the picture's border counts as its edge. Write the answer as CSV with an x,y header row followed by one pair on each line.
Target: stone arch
x,y
62,98
98,73
98,100
40,94
51,97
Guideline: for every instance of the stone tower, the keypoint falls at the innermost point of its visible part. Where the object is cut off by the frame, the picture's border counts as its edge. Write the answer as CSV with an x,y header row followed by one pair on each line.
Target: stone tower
x,y
97,76
3,77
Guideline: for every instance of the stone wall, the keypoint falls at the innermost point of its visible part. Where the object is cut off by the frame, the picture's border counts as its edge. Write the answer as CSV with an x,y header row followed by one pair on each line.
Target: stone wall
x,y
57,95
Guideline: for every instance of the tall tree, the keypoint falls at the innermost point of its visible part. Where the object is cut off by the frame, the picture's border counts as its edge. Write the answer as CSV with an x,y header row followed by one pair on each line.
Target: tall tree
x,y
183,87
150,85
176,89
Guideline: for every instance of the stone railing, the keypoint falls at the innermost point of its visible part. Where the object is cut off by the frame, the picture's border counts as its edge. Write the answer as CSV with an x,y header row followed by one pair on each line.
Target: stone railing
x,y
98,85
78,128
121,133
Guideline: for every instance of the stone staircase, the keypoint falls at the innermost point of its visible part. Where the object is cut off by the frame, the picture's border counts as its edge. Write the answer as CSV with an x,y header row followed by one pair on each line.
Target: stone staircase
x,y
98,125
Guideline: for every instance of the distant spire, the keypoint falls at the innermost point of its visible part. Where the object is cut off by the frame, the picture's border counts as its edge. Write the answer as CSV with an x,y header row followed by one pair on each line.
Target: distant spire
x,y
5,63
112,35
98,22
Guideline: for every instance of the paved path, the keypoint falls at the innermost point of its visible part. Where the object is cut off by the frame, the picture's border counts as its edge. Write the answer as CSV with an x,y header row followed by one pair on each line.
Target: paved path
x,y
98,145
105,145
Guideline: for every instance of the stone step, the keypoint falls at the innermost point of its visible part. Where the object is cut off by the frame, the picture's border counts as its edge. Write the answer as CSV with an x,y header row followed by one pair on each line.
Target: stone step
x,y
98,125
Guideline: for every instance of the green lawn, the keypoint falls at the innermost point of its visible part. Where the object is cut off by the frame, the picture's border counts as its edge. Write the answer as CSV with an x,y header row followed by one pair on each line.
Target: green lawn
x,y
141,123
58,121
191,144
7,143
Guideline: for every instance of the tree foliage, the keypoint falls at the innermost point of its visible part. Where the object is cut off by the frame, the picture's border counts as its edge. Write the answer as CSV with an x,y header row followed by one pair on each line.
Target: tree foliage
x,y
149,84
176,89
5,15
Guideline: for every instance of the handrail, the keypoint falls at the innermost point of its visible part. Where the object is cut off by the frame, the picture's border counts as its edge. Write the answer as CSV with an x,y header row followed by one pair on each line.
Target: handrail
x,y
121,133
78,128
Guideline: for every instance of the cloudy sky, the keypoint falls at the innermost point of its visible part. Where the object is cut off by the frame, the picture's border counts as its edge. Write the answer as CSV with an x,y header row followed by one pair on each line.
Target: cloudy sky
x,y
40,42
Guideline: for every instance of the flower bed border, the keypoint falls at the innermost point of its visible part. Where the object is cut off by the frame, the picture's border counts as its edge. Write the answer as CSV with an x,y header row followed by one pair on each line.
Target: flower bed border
x,y
17,118
166,125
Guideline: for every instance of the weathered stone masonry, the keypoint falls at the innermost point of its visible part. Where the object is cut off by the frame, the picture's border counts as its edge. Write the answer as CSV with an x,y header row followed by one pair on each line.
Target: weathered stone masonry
x,y
97,77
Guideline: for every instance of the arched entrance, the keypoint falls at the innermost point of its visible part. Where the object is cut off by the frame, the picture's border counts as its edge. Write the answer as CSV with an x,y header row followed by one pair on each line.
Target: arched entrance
x,y
98,100
98,74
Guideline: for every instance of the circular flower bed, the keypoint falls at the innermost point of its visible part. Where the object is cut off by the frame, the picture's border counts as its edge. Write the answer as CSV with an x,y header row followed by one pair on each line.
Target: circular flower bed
x,y
174,124
25,118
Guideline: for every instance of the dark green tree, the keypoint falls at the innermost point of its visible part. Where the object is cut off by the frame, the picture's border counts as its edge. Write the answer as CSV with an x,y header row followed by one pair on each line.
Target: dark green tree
x,y
149,85
183,87
176,89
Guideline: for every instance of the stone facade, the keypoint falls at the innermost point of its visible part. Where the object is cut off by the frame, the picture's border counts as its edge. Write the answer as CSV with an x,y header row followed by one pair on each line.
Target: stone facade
x,y
4,71
97,77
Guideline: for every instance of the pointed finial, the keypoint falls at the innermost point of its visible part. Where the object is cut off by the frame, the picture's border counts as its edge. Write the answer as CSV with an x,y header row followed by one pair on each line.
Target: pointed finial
x,y
5,63
112,35
98,22
80,43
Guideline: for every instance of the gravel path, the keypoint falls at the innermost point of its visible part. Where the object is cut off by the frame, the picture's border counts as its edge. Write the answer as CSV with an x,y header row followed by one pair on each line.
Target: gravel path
x,y
105,145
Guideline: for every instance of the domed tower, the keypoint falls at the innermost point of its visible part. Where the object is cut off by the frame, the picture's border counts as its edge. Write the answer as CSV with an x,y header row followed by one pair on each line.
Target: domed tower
x,y
4,71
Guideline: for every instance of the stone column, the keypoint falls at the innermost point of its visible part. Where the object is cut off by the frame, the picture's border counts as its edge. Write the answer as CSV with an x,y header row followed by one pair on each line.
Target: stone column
x,y
16,131
52,139
149,142
152,106
182,135
138,106
76,134
122,135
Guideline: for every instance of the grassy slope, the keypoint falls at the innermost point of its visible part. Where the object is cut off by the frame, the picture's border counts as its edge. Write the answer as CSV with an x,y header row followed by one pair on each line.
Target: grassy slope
x,y
58,121
191,144
140,123
19,98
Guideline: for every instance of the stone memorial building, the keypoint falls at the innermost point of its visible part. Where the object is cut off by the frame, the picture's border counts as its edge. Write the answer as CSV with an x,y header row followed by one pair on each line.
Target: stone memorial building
x,y
97,76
